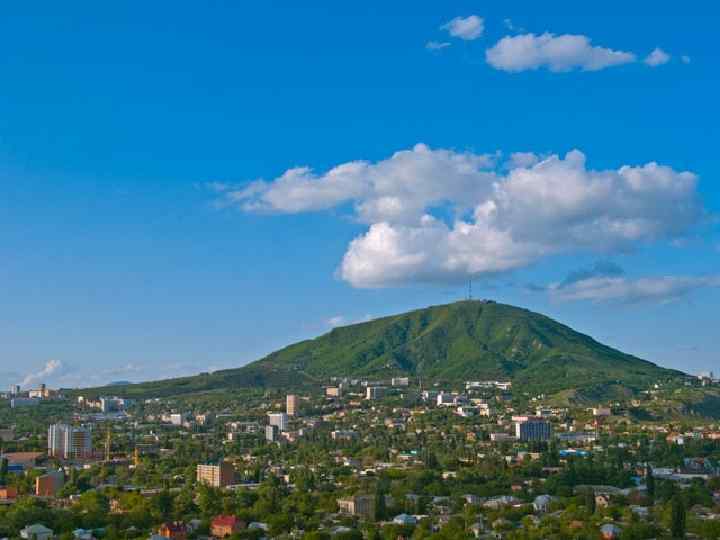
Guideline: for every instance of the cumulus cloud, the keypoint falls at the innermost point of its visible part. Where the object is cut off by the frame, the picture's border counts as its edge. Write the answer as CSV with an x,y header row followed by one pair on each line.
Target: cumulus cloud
x,y
657,57
621,289
52,367
467,28
444,216
556,53
522,160
436,45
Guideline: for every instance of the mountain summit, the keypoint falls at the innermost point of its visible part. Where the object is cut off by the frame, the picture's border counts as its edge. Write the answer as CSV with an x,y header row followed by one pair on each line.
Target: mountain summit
x,y
467,340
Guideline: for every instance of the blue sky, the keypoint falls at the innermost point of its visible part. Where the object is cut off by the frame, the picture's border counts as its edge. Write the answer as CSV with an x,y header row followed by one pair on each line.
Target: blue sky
x,y
133,249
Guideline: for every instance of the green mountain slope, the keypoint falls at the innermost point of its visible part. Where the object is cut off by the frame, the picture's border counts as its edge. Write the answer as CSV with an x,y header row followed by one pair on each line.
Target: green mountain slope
x,y
466,340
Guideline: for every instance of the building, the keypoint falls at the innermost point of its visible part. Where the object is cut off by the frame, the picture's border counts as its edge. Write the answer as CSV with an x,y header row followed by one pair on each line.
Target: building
x,y
271,433
216,475
114,404
374,392
36,532
343,435
69,442
400,381
176,419
14,389
278,419
362,506
47,485
533,429
175,530
8,493
18,402
292,405
333,391
501,437
222,526
19,462
601,411
40,393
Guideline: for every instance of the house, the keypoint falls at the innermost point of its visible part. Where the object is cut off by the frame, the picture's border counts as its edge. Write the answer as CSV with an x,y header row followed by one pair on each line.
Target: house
x,y
175,530
602,501
477,529
83,534
500,501
542,503
404,519
8,493
22,461
610,531
222,526
36,532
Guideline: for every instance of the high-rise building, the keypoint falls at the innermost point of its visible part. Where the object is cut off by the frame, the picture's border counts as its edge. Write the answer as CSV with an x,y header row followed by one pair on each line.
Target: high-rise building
x,y
278,419
216,475
271,433
533,429
69,442
292,405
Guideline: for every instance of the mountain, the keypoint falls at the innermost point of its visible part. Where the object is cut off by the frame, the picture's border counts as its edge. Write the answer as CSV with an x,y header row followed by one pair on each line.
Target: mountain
x,y
467,340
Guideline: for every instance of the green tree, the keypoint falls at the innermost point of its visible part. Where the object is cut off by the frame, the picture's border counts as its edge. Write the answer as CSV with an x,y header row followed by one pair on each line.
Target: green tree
x,y
590,501
3,470
650,484
678,520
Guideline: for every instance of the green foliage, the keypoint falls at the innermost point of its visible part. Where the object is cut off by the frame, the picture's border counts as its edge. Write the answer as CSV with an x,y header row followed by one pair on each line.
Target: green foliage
x,y
454,342
678,519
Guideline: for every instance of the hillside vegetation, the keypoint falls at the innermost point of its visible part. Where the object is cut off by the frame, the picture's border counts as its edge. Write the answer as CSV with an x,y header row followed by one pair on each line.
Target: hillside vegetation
x,y
467,340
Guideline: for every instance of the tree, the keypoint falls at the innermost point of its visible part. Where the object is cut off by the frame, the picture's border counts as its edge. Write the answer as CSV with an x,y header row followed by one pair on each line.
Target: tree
x,y
650,484
380,507
678,520
3,470
590,501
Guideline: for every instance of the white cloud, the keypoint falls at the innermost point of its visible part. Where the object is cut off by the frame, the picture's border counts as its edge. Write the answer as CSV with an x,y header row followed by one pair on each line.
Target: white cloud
x,y
337,320
493,221
341,320
621,289
52,367
396,189
511,26
657,57
522,160
436,45
556,53
467,28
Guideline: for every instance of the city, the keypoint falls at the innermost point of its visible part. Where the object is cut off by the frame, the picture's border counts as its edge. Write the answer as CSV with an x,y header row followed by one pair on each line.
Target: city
x,y
377,270
356,458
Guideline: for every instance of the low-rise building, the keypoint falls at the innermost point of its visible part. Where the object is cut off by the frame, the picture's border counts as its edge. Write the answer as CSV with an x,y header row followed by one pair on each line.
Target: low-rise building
x,y
222,526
